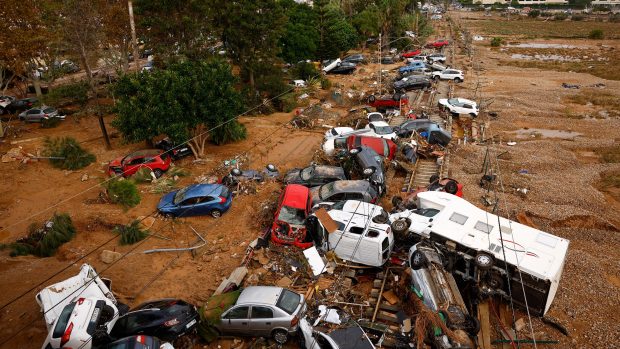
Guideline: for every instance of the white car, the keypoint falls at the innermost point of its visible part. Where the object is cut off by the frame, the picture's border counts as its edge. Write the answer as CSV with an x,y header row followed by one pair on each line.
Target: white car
x,y
459,106
436,57
78,322
336,132
380,129
331,65
330,145
449,74
375,116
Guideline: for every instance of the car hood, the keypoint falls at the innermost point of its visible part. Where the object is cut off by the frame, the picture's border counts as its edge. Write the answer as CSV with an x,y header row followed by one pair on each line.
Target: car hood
x,y
166,201
116,162
293,176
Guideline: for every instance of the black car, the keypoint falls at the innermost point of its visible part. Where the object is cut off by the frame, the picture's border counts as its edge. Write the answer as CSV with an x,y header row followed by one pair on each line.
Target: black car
x,y
356,58
176,152
21,104
336,191
167,319
343,68
369,165
433,133
412,82
135,342
314,175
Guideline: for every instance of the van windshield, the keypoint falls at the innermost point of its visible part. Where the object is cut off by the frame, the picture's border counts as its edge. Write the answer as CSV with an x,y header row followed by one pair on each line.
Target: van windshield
x,y
288,301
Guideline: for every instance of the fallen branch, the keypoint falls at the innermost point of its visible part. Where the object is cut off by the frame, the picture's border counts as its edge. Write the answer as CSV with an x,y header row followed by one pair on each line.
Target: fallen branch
x,y
204,242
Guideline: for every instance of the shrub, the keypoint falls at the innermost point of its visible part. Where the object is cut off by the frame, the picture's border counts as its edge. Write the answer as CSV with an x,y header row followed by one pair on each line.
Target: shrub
x,y
143,175
67,94
44,241
546,14
123,192
496,42
560,16
66,153
534,13
325,83
131,233
288,102
577,17
50,123
304,71
596,34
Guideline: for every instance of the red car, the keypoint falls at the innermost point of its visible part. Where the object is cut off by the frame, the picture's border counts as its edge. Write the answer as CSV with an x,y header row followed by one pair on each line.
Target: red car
x,y
155,159
289,223
438,43
395,101
384,147
411,54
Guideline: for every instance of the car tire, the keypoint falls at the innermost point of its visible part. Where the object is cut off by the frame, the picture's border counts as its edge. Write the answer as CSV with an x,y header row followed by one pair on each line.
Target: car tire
x,y
451,187
436,77
484,261
396,200
418,260
216,213
400,226
473,116
381,218
493,281
372,99
158,172
280,336
458,80
434,178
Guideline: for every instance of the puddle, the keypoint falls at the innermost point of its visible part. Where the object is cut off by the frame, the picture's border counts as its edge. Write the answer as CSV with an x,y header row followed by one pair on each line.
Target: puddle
x,y
535,45
558,58
546,133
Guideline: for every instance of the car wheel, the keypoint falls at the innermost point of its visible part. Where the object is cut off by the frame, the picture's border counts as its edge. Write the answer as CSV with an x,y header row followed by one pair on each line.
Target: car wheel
x,y
451,187
158,172
381,218
396,200
484,260
216,213
473,116
436,77
280,336
434,178
418,260
457,80
371,99
397,96
400,226
494,281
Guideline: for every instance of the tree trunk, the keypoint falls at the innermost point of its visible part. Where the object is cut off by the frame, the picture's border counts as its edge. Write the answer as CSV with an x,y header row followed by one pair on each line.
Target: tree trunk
x,y
251,78
8,82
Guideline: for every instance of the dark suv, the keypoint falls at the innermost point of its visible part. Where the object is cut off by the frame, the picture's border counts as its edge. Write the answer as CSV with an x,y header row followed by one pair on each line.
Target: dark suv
x,y
369,165
412,82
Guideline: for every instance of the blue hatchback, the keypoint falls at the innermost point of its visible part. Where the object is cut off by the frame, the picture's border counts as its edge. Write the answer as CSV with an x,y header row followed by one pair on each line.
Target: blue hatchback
x,y
196,199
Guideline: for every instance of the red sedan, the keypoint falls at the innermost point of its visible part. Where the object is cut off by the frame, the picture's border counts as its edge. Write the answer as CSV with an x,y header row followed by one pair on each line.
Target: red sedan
x,y
411,54
154,159
438,44
395,101
289,223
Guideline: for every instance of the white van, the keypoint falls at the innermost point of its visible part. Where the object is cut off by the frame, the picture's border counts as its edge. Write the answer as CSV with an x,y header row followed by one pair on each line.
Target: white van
x,y
87,284
471,237
356,231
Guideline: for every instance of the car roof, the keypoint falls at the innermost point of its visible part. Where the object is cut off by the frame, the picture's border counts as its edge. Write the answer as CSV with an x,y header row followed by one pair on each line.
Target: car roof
x,y
203,190
144,152
296,196
260,295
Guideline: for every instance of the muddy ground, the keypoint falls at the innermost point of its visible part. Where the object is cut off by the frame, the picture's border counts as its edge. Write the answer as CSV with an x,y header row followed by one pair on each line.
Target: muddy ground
x,y
562,170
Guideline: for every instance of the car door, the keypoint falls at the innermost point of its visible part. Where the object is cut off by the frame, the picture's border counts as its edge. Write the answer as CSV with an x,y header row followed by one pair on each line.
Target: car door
x,y
236,320
190,206
133,166
261,321
205,204
33,115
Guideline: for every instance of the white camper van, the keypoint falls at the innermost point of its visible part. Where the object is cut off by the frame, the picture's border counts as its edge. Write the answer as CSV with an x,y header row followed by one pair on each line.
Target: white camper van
x,y
87,284
479,242
356,231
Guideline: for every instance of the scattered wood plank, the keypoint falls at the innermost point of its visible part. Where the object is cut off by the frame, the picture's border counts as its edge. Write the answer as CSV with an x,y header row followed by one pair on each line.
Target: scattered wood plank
x,y
484,336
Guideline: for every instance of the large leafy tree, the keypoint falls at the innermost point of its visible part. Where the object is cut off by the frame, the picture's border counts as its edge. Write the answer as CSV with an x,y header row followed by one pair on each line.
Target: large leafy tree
x,y
336,34
301,36
191,99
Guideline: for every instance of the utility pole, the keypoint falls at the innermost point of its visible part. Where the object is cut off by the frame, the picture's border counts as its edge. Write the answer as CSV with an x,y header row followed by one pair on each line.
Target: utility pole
x,y
133,32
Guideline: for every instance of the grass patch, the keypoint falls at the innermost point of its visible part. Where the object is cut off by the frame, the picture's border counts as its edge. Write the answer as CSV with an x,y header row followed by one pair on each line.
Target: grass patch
x,y
131,233
611,181
44,240
210,313
532,28
67,153
596,97
611,154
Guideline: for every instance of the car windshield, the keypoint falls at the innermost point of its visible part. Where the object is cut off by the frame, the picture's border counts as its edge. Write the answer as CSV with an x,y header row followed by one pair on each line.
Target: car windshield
x,y
307,173
63,319
326,190
383,130
49,110
453,101
180,195
291,215
334,132
288,301
340,143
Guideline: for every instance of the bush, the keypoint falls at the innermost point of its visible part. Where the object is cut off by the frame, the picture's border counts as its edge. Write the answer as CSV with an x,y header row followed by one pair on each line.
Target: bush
x,y
534,13
304,71
67,94
560,16
131,233
496,42
50,123
44,241
288,102
596,34
614,18
143,175
577,17
546,14
123,192
325,83
67,153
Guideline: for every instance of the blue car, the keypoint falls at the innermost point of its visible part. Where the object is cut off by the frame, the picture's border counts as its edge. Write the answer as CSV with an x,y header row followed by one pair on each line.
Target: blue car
x,y
196,199
411,67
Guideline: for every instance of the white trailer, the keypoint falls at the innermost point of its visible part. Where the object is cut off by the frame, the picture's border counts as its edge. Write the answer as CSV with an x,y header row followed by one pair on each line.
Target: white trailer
x,y
480,242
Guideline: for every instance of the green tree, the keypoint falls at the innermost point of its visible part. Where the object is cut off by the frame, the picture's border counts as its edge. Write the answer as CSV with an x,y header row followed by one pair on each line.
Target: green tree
x,y
196,100
300,40
336,34
367,23
250,30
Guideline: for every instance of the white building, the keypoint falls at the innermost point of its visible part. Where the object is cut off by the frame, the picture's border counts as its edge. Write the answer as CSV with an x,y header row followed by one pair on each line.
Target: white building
x,y
606,2
534,2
